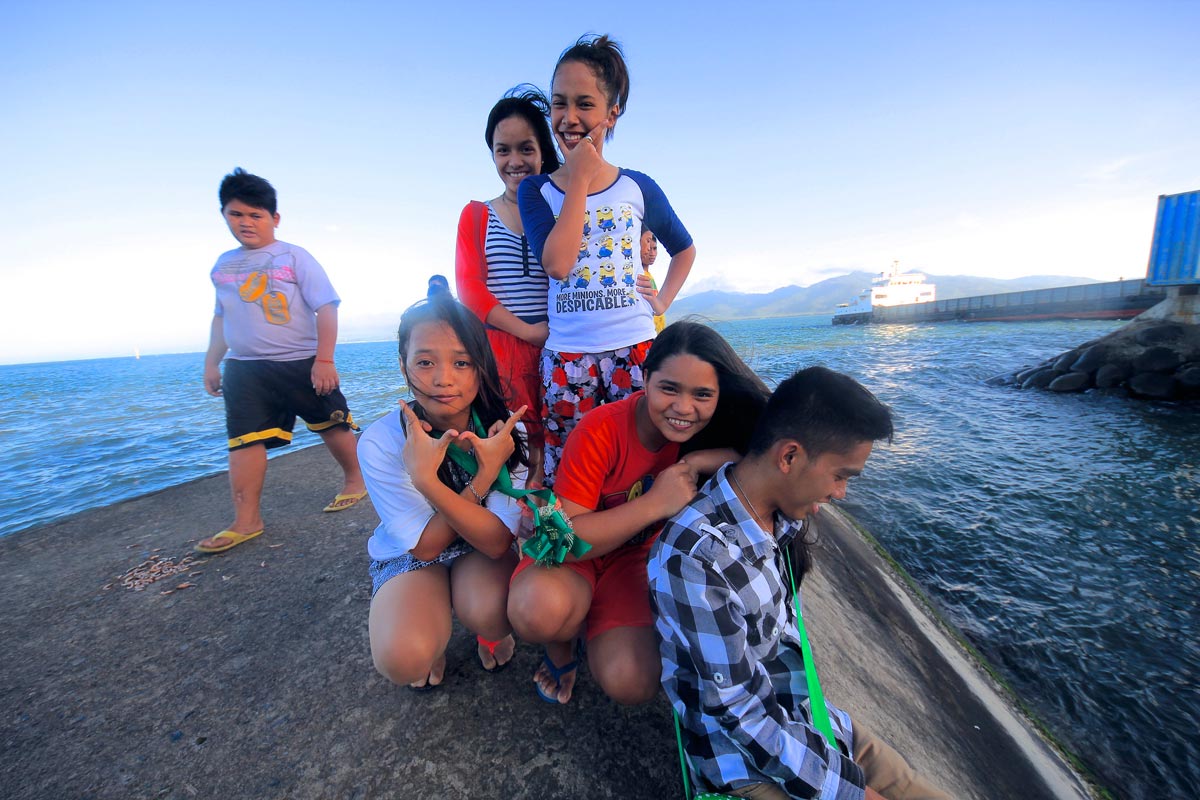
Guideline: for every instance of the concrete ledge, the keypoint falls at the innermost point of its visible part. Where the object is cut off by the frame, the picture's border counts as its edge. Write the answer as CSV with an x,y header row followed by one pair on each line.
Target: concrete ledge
x,y
257,681
894,667
1178,307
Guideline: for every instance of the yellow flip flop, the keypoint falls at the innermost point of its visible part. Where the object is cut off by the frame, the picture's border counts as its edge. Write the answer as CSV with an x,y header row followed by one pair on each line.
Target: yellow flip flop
x,y
232,540
344,501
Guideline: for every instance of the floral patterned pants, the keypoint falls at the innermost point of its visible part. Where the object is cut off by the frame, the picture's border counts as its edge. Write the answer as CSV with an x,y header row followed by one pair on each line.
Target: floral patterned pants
x,y
575,383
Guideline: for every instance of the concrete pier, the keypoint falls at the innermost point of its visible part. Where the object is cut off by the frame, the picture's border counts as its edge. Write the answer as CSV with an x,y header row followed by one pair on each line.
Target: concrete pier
x,y
256,681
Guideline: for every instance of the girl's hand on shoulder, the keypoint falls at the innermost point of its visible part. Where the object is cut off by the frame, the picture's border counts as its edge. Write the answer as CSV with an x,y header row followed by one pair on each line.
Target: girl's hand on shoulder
x,y
674,488
492,451
708,462
422,454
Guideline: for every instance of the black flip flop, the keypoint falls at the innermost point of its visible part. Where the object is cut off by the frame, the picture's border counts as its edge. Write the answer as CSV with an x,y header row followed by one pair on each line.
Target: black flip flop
x,y
428,687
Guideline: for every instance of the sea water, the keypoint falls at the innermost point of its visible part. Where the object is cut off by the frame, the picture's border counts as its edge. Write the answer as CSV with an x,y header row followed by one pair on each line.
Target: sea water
x,y
1060,533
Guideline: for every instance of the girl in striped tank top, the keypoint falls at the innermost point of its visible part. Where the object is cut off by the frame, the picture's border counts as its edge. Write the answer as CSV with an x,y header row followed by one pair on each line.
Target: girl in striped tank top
x,y
498,276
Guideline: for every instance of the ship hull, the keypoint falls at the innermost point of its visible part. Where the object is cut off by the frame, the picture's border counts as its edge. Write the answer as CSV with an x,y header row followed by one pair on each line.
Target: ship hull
x,y
1113,300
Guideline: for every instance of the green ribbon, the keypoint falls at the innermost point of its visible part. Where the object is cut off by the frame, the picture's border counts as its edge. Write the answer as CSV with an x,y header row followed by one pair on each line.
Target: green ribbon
x,y
816,701
553,537
816,698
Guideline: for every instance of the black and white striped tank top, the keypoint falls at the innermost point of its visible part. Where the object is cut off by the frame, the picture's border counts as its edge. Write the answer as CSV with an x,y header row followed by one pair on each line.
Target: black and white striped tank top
x,y
514,275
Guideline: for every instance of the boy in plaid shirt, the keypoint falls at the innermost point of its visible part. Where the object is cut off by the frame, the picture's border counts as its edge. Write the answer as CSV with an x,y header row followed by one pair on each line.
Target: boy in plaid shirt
x,y
732,663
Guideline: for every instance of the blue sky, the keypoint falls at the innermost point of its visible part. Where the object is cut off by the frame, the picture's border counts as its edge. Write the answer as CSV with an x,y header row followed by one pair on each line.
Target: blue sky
x,y
796,141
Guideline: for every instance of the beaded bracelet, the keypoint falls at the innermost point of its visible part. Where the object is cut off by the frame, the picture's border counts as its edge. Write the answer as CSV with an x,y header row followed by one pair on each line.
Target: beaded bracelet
x,y
480,500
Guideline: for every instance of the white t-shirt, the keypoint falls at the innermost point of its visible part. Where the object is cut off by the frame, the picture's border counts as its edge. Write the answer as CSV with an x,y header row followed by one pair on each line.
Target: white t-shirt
x,y
403,511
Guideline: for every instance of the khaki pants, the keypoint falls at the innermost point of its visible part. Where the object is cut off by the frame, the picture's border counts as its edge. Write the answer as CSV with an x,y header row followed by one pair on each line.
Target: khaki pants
x,y
886,771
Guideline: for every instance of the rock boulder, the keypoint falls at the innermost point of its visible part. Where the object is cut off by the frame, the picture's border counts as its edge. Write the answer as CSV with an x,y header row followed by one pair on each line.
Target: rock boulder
x,y
1150,359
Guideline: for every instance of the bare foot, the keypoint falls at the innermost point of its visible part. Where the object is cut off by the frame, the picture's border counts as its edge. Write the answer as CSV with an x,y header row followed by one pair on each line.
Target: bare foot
x,y
436,674
557,684
503,653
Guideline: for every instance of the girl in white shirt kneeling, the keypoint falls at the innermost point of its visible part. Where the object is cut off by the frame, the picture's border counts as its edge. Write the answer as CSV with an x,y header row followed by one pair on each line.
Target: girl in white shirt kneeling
x,y
444,544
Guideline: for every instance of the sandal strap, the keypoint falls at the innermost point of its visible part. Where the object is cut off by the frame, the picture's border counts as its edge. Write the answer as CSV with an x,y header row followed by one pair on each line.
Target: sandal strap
x,y
558,672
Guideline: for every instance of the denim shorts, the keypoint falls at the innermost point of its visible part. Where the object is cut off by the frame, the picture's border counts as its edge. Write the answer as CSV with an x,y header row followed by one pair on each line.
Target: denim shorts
x,y
384,571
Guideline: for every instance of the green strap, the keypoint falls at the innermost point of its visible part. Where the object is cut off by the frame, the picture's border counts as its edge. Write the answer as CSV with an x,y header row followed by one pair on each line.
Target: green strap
x,y
683,765
683,769
816,698
553,537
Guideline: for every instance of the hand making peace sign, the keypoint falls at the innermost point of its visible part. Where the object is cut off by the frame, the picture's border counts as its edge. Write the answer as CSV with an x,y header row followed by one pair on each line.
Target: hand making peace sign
x,y
491,452
423,454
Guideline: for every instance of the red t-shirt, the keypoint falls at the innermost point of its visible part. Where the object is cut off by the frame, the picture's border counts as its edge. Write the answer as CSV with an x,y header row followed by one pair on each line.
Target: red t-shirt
x,y
604,463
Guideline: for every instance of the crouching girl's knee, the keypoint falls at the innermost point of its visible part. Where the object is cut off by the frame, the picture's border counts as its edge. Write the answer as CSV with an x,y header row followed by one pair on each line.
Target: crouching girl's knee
x,y
627,683
540,616
403,662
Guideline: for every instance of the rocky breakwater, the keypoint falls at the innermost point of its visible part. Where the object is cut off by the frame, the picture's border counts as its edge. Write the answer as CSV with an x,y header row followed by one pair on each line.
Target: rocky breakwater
x,y
1147,358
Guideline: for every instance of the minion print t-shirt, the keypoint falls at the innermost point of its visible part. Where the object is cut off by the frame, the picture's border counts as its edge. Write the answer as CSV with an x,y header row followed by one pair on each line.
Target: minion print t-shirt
x,y
597,306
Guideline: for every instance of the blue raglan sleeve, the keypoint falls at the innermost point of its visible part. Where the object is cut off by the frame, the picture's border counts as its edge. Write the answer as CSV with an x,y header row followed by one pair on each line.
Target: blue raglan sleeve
x,y
660,217
536,215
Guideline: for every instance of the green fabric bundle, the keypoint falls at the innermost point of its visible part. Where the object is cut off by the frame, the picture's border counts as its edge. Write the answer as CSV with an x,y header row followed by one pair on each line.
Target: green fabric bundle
x,y
553,537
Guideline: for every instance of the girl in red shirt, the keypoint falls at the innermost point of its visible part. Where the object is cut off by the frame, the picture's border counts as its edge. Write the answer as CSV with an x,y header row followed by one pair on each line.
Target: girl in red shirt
x,y
625,469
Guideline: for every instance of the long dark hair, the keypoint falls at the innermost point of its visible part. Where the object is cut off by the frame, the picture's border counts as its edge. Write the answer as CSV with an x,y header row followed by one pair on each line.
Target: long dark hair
x,y
489,401
527,102
742,394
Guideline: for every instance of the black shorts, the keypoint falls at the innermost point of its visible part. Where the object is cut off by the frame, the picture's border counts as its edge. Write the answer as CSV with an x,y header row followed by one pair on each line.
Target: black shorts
x,y
263,399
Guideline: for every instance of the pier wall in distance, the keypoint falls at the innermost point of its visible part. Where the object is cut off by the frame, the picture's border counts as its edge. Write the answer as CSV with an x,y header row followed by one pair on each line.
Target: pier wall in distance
x,y
1112,300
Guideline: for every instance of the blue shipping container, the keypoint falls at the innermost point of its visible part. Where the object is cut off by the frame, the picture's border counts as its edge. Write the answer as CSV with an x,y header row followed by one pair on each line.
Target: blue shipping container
x,y
1175,250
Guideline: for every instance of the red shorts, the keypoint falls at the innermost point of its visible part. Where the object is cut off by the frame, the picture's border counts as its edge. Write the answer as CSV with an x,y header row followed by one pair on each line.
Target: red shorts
x,y
520,365
620,589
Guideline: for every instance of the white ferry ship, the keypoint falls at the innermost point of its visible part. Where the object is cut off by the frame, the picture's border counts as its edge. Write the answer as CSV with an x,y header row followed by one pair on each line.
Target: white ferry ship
x,y
891,288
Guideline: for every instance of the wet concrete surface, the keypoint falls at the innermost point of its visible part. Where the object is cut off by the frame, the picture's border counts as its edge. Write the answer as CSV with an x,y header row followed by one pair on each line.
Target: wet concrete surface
x,y
256,681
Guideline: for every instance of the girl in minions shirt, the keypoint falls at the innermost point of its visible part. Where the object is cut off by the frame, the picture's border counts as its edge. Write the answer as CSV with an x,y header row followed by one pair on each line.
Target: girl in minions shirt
x,y
584,222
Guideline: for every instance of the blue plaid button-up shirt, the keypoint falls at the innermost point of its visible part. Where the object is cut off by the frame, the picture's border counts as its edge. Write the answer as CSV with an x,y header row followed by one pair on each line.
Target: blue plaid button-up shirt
x,y
732,665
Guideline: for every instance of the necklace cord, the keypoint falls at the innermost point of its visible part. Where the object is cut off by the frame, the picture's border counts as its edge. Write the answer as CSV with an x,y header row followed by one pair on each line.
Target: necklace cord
x,y
816,698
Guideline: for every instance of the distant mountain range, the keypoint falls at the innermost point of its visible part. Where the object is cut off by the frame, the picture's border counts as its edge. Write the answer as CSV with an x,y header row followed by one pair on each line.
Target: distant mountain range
x,y
823,297
820,298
